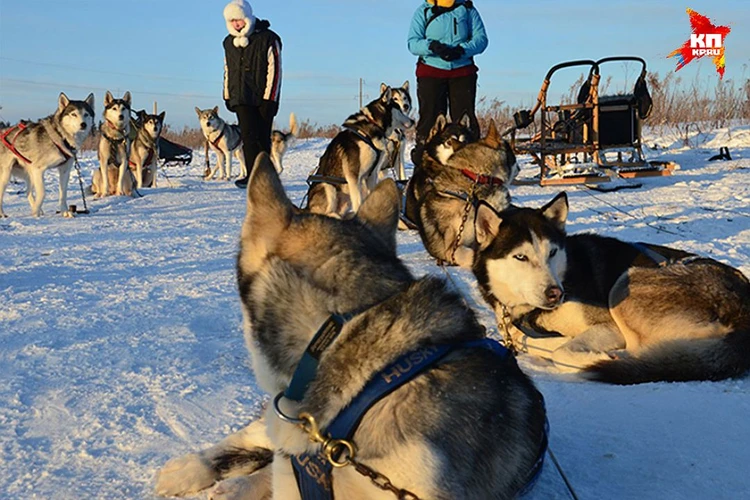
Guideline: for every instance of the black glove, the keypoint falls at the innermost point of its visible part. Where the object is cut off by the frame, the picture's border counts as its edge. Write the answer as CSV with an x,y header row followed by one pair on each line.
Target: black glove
x,y
229,106
453,53
268,110
438,48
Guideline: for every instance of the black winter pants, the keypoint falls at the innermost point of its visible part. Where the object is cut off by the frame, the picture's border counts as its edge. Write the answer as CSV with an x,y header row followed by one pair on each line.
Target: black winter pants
x,y
256,132
436,94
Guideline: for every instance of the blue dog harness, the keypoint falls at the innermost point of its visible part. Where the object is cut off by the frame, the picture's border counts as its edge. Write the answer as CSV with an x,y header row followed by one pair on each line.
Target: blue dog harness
x,y
313,471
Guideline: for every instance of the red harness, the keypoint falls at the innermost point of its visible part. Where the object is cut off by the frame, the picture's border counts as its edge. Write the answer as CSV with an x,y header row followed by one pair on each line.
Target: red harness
x,y
9,144
21,127
149,158
485,180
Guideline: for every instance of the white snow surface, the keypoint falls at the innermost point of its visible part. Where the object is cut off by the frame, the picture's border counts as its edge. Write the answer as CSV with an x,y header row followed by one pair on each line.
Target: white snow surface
x,y
121,343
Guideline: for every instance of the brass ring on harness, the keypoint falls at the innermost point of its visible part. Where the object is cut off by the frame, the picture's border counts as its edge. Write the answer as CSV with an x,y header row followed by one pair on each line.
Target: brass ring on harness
x,y
341,448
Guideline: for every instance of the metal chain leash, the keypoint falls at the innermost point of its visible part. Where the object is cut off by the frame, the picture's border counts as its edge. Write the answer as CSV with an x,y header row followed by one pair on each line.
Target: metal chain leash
x,y
341,452
80,183
467,209
505,324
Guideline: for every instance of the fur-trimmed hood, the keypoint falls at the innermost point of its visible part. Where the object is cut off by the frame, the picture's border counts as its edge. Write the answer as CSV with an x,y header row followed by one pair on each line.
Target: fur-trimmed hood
x,y
239,9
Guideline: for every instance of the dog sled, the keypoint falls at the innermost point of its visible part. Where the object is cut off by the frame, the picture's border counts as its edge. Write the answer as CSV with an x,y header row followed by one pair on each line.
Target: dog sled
x,y
596,139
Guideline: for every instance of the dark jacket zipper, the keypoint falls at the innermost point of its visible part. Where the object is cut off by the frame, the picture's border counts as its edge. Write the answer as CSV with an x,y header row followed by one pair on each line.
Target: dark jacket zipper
x,y
455,26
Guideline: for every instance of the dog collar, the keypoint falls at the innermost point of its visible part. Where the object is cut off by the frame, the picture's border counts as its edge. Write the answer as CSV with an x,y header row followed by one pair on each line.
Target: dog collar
x,y
485,180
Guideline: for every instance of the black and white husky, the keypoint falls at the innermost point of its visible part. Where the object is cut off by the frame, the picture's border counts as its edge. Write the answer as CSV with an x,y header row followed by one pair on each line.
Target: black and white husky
x,y
469,427
350,165
623,312
27,150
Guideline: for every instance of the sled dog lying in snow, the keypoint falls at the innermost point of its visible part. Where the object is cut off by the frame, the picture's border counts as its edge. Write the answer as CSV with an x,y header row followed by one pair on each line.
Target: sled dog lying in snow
x,y
625,313
27,150
478,172
444,139
350,165
297,271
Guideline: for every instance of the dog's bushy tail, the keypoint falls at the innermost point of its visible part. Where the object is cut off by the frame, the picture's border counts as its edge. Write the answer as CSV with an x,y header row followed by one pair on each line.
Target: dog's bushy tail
x,y
680,361
293,127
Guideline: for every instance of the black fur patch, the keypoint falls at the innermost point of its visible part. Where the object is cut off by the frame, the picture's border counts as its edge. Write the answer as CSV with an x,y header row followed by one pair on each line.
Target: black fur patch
x,y
237,458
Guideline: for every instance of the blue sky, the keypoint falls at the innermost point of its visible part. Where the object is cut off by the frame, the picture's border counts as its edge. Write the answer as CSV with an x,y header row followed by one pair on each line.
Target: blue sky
x,y
170,50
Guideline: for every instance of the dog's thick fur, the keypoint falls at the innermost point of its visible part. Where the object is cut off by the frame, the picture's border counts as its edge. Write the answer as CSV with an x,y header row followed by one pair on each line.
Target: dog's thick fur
x,y
432,436
624,319
49,143
444,139
225,140
114,143
144,153
350,162
451,200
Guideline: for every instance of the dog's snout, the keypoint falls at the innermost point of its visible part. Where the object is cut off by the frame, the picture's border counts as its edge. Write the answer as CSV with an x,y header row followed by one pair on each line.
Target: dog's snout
x,y
554,295
83,126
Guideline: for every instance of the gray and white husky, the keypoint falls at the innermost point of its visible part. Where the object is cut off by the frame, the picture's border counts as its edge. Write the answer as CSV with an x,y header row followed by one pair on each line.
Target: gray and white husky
x,y
27,150
431,436
623,312
144,153
350,165
114,144
225,140
478,172
280,141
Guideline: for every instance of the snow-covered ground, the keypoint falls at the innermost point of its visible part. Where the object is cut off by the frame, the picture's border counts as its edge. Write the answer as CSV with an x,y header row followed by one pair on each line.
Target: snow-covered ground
x,y
121,347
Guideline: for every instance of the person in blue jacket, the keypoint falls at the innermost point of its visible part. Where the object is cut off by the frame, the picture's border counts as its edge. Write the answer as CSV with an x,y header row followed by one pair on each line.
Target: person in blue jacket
x,y
445,35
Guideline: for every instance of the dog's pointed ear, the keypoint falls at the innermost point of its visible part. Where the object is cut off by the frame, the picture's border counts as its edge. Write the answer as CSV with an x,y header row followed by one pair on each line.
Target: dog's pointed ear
x,y
127,98
493,138
465,121
198,111
386,93
62,101
440,124
162,115
380,212
556,211
268,208
216,110
108,98
486,225
405,86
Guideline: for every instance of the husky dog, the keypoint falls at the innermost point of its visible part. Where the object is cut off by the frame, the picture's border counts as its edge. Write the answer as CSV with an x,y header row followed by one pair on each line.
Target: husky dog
x,y
295,269
351,163
114,144
395,150
225,140
145,150
280,142
29,149
624,312
444,139
478,172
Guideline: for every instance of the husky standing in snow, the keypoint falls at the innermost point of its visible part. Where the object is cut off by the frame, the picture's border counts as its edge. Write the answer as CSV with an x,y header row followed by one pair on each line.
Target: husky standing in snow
x,y
225,140
351,163
625,313
297,271
29,149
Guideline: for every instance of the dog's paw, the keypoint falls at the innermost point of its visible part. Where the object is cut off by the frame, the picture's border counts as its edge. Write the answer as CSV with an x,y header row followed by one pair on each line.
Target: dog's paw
x,y
68,214
184,476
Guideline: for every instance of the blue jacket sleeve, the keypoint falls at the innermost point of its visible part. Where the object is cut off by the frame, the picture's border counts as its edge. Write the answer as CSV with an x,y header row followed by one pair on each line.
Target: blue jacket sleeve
x,y
479,41
418,44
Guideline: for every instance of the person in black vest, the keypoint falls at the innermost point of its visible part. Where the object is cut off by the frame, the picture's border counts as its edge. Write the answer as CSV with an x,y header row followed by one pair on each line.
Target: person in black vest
x,y
252,78
445,35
